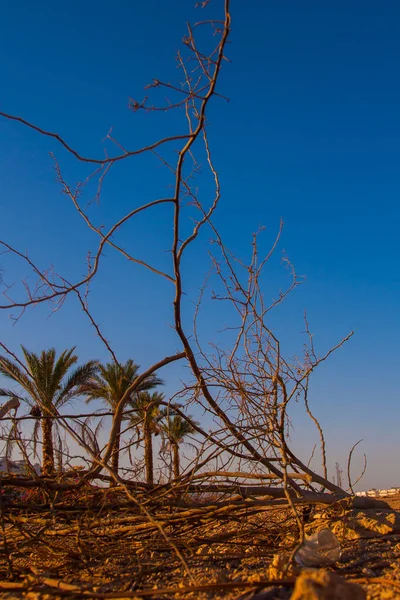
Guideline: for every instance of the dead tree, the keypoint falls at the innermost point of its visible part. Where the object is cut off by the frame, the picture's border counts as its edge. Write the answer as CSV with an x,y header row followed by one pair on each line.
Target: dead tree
x,y
246,388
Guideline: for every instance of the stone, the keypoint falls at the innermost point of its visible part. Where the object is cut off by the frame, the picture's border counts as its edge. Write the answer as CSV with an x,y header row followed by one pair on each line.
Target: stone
x,y
280,567
373,523
315,584
369,523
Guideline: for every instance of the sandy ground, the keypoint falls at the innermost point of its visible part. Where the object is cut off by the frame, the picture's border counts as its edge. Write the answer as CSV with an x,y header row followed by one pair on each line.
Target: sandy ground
x,y
114,555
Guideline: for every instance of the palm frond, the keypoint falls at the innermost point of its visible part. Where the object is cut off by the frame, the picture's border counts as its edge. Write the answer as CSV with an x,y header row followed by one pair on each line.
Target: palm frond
x,y
35,437
89,437
176,428
10,394
80,377
11,370
114,380
12,440
64,362
58,450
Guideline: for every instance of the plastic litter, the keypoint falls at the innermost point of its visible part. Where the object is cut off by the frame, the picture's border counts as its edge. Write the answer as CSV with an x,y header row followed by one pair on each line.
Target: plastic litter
x,y
319,550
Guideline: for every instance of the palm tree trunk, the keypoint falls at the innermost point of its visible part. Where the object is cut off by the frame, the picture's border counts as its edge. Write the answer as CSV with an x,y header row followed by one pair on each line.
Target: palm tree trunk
x,y
115,455
176,460
47,449
148,452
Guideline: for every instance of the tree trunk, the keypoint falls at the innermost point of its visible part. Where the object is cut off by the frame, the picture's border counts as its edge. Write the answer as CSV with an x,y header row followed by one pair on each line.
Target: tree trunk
x,y
47,448
115,455
148,453
175,460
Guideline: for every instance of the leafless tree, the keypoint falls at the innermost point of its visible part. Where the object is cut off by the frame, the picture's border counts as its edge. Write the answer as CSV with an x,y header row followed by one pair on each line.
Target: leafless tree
x,y
246,385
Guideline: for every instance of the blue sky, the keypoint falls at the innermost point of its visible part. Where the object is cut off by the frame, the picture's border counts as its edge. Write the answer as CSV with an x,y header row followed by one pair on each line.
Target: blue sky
x,y
310,134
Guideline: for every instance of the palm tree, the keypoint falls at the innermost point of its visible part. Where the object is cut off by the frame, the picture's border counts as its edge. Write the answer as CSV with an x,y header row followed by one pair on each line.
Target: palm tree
x,y
44,379
110,384
147,420
175,429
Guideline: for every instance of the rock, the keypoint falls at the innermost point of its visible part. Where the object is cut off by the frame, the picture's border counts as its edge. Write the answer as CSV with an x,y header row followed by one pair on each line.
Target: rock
x,y
315,584
368,524
267,594
368,572
279,568
357,502
372,522
203,549
387,595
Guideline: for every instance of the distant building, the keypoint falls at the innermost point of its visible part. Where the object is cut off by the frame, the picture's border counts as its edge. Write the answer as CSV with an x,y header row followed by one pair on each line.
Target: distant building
x,y
374,493
16,467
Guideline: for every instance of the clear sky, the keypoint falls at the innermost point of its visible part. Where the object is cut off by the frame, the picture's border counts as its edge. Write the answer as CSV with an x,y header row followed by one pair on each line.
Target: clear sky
x,y
311,134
